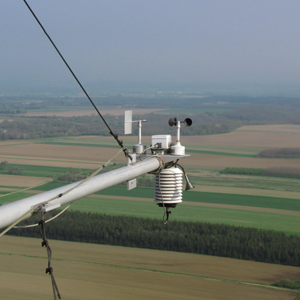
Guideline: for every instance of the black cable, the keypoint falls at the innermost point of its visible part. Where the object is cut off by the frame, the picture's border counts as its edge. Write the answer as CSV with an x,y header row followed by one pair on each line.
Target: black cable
x,y
110,131
49,270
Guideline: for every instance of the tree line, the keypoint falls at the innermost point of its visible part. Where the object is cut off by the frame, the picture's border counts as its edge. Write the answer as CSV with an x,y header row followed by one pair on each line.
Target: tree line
x,y
47,127
280,153
238,111
190,237
287,172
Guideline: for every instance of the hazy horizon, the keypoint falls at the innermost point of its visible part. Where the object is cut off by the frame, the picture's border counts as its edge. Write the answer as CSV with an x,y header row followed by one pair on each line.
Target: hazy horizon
x,y
211,47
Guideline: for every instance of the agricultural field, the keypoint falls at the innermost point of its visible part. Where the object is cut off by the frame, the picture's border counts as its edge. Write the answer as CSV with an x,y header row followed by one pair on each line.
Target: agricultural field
x,y
87,271
255,201
123,273
270,213
235,149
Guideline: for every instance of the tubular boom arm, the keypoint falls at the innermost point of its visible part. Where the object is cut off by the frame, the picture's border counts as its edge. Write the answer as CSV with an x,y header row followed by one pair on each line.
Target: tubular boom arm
x,y
11,212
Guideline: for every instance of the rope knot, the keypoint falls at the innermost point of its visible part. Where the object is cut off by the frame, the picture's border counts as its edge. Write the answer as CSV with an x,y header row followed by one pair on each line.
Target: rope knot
x,y
45,243
49,270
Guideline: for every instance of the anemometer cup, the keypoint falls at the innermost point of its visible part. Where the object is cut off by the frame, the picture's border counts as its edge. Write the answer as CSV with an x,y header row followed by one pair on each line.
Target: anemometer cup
x,y
187,122
173,122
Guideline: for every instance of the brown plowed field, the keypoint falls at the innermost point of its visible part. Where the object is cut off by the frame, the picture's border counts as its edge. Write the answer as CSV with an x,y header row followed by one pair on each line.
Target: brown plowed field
x,y
22,181
287,128
51,162
68,154
257,137
88,271
58,152
262,137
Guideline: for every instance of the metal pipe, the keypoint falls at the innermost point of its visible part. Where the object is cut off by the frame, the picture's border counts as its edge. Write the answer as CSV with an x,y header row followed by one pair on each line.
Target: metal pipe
x,y
140,131
11,212
178,131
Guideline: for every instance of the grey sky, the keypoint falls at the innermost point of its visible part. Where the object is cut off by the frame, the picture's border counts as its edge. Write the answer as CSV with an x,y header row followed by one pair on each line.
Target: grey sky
x,y
205,42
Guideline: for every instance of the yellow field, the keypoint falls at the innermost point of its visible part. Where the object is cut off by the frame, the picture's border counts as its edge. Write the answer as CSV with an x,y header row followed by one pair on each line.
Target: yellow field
x,y
87,271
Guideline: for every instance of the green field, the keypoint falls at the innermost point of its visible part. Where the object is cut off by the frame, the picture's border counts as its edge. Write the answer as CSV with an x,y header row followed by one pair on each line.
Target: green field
x,y
262,220
279,222
42,171
244,200
206,197
13,197
271,221
9,187
214,178
192,196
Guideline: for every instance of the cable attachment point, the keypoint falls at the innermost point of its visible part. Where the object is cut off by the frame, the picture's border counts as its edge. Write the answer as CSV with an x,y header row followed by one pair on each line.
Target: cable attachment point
x,y
45,243
125,150
49,270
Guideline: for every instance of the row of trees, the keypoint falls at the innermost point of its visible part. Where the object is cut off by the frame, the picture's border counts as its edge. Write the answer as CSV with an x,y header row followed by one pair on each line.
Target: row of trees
x,y
280,153
191,237
287,172
4,166
243,171
12,111
237,112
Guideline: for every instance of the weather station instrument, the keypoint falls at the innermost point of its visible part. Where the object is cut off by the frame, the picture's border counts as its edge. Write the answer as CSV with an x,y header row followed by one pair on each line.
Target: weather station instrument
x,y
160,159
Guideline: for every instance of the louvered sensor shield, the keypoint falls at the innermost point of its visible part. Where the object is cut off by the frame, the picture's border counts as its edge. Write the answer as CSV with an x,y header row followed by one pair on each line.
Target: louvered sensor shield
x,y
168,187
